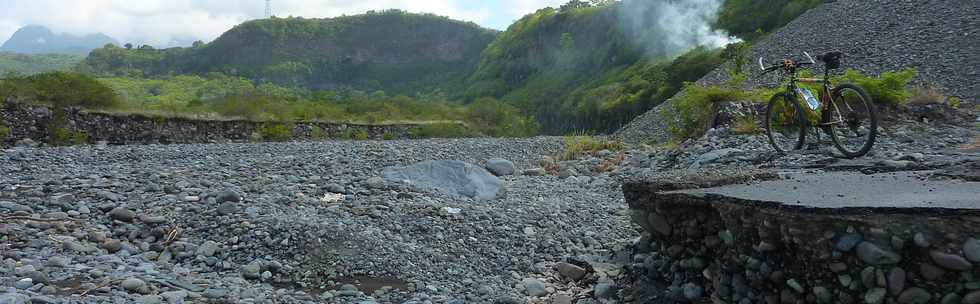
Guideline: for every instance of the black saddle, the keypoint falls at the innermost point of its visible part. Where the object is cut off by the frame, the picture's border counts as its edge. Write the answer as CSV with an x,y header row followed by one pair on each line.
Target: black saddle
x,y
831,59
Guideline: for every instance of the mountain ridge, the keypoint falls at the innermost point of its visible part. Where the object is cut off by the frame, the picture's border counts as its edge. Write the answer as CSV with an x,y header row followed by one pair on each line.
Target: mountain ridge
x,y
37,39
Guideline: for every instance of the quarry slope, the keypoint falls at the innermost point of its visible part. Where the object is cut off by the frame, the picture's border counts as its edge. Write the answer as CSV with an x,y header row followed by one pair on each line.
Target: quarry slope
x,y
941,39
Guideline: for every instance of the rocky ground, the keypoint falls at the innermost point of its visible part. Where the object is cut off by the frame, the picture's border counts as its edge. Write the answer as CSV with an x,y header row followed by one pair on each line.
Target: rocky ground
x,y
261,223
316,223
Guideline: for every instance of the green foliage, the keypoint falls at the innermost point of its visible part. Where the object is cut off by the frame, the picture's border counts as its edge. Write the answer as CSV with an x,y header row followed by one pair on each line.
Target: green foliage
x,y
890,88
62,136
388,136
693,109
276,131
360,134
318,133
578,146
751,19
497,119
442,130
23,64
62,89
955,102
746,124
4,132
391,50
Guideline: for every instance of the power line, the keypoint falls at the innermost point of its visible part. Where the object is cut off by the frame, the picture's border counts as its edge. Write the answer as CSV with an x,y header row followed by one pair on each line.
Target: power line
x,y
268,9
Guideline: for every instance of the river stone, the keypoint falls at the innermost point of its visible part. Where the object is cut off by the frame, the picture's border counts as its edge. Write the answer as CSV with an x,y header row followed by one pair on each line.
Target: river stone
x,y
971,249
848,241
132,284
896,281
823,294
122,214
872,254
930,272
915,296
14,298
501,167
875,296
534,287
951,298
972,298
450,176
571,271
659,223
950,261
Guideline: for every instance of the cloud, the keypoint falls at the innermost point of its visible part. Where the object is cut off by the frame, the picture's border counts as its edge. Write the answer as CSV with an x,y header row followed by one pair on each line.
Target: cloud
x,y
163,22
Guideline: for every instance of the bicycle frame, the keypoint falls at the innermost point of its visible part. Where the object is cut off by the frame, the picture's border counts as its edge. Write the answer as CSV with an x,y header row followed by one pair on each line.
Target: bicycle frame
x,y
825,93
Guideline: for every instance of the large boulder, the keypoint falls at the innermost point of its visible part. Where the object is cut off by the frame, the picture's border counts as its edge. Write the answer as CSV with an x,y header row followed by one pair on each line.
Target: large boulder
x,y
501,167
451,176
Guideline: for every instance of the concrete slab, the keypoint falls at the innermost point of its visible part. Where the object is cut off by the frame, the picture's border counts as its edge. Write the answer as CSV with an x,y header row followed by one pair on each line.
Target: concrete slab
x,y
838,190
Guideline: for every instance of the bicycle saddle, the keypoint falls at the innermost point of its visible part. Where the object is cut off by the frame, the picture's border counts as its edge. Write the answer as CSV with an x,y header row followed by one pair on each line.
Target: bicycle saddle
x,y
831,59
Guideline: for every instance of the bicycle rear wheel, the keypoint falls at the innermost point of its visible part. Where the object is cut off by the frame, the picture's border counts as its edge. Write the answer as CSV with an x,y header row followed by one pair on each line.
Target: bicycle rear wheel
x,y
852,120
785,123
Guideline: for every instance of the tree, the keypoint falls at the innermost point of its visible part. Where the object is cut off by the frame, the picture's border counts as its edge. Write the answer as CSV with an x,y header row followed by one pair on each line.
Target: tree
x,y
129,46
574,4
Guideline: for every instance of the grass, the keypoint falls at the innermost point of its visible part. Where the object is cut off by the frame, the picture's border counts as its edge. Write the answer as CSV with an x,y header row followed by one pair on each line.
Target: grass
x,y
926,94
4,132
746,124
442,130
276,131
889,88
578,146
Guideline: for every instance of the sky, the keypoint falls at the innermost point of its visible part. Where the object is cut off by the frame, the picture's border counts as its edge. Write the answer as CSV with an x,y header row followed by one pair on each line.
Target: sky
x,y
169,22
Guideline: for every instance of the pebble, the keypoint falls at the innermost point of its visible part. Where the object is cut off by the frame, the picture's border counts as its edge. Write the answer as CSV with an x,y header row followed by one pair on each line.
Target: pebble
x,y
534,287
915,296
133,285
971,250
872,254
950,261
122,214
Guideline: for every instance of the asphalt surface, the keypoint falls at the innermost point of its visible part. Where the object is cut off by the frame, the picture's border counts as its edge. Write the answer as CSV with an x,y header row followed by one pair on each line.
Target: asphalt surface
x,y
918,189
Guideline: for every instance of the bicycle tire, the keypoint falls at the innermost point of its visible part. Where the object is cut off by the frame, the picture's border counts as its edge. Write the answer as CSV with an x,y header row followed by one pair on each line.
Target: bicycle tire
x,y
801,120
872,114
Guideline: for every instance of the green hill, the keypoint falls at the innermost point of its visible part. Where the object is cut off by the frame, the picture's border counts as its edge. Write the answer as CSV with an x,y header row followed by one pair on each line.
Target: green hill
x,y
33,64
392,51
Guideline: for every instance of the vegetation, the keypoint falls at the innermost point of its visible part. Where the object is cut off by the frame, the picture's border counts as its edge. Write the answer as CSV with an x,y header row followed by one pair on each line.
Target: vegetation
x,y
62,89
22,64
4,132
890,88
442,130
751,19
392,50
693,109
926,94
276,131
581,145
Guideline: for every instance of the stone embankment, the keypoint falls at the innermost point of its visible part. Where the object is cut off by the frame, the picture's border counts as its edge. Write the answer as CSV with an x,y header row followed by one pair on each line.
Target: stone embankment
x,y
772,237
38,124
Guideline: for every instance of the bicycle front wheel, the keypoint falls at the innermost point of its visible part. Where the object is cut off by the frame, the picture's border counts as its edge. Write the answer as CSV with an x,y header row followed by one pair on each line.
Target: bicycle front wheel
x,y
852,120
785,123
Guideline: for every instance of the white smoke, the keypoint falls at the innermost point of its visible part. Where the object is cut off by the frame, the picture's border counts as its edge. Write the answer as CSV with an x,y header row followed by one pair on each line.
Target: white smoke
x,y
670,27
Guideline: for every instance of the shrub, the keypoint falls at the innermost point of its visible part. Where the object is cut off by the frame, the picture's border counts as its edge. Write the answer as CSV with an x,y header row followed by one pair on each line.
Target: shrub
x,y
361,134
276,131
318,133
578,146
890,88
61,136
4,132
442,130
693,109
926,94
955,102
61,89
746,124
388,136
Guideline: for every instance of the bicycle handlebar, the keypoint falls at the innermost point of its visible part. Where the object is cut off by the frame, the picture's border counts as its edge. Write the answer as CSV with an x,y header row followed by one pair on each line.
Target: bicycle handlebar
x,y
767,70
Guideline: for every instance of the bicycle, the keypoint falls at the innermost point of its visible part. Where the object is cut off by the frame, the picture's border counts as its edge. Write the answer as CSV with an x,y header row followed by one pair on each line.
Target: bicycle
x,y
846,111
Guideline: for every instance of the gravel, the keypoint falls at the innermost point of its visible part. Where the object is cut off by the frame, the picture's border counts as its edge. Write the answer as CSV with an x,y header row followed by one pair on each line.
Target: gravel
x,y
252,223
